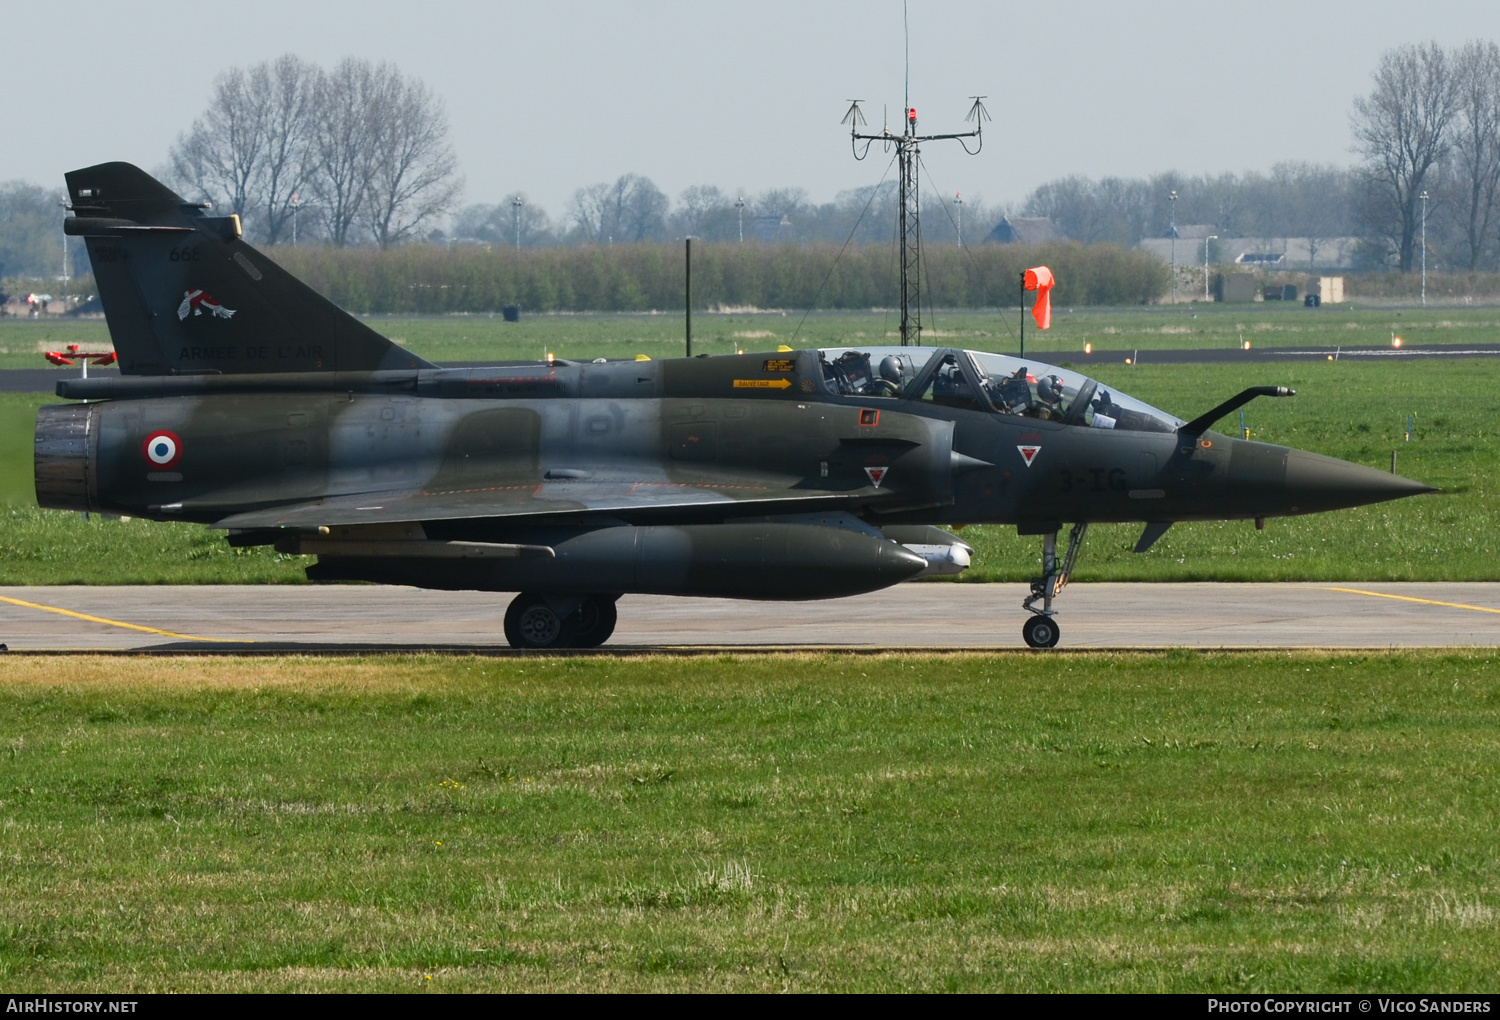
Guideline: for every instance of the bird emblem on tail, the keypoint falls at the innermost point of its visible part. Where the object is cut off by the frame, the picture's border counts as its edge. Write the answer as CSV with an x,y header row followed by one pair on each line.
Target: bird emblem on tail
x,y
196,302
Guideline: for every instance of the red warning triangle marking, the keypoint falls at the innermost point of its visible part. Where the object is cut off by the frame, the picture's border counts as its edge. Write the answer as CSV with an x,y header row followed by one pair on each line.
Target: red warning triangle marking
x,y
877,475
1028,453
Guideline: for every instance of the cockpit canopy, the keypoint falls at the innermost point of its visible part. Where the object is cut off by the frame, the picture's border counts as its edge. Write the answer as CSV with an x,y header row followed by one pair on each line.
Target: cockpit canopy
x,y
979,381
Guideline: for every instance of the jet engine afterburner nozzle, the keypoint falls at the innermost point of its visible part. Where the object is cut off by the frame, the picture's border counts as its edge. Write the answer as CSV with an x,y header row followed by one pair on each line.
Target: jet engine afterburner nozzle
x,y
66,457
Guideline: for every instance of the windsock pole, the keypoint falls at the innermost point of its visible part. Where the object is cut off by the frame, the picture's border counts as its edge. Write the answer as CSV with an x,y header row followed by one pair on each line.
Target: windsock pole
x,y
1022,305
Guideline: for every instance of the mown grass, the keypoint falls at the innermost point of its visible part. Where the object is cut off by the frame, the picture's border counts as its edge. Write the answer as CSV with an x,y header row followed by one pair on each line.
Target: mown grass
x,y
1353,410
1161,822
586,336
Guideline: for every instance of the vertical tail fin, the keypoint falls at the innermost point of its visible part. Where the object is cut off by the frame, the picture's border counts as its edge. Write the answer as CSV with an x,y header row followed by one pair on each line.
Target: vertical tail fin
x,y
184,295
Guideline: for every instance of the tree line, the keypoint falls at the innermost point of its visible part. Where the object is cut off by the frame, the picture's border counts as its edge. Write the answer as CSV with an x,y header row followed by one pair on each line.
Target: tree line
x,y
30,231
1292,200
1428,137
359,155
647,275
632,208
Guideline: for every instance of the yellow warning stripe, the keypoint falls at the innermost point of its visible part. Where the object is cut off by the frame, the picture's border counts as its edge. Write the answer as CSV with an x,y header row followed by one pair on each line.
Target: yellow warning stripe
x,y
118,623
1411,598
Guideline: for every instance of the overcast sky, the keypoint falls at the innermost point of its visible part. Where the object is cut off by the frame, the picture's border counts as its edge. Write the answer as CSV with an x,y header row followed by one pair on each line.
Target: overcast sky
x,y
546,97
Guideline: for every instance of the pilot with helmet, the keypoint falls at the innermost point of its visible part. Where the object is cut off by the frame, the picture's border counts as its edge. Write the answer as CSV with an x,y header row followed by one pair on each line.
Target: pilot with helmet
x,y
1049,399
889,382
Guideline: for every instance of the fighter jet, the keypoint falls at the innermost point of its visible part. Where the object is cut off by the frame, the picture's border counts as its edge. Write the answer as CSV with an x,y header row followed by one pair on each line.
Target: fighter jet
x,y
249,403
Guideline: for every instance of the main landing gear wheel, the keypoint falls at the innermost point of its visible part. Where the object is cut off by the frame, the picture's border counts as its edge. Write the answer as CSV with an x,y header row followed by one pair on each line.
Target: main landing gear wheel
x,y
594,620
1040,632
531,622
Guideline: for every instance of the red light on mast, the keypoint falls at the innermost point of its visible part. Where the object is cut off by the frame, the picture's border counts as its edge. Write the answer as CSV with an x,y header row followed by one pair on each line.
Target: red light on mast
x,y
911,114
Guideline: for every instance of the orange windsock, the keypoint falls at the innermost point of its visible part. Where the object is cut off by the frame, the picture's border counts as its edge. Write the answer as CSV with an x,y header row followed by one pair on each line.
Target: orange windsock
x,y
1040,280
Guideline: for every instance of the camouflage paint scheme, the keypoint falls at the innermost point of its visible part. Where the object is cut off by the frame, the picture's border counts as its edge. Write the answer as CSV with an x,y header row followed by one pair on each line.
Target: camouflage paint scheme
x,y
276,416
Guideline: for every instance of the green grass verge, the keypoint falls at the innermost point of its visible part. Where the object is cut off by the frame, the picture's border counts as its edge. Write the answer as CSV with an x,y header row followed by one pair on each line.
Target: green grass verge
x,y
1353,410
17,430
1170,822
481,338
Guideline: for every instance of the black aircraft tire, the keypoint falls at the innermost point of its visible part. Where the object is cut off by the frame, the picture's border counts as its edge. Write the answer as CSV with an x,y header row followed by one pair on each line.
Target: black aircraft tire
x,y
594,621
531,623
1040,632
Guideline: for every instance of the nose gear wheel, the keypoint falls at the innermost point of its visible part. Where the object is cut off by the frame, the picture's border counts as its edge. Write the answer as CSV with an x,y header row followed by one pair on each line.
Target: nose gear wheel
x,y
1041,631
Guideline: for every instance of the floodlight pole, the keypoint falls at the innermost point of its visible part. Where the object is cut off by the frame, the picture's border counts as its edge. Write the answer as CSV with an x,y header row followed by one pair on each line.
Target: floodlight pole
x,y
1022,306
1423,196
1210,237
1172,232
64,204
958,200
739,205
516,204
908,157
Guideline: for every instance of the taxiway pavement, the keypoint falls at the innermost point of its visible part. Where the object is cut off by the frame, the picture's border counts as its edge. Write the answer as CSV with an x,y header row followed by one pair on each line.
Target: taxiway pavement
x,y
317,618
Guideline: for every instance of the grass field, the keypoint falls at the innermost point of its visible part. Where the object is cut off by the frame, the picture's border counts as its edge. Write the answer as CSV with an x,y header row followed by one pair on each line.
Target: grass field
x,y
1352,410
1178,822
481,338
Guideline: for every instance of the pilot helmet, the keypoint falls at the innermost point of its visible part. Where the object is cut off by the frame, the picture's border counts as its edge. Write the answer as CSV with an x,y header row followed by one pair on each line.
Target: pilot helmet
x,y
1050,389
890,368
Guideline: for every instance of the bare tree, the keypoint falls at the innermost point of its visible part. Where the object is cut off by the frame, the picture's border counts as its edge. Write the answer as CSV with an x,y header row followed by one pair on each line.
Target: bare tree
x,y
1402,130
1476,145
30,238
702,211
588,211
290,86
341,146
248,150
641,208
499,224
220,156
1075,207
412,166
1315,205
631,209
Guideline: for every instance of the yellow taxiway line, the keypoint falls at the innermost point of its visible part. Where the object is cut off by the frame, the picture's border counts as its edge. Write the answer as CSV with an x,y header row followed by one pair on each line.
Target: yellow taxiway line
x,y
117,623
1410,598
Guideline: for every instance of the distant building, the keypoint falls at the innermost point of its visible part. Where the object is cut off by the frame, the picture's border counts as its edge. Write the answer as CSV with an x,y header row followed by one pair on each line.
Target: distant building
x,y
1024,230
1300,253
770,228
1190,240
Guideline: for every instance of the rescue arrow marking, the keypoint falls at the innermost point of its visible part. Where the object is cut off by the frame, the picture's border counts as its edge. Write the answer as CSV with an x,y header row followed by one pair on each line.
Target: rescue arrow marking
x,y
1028,453
762,384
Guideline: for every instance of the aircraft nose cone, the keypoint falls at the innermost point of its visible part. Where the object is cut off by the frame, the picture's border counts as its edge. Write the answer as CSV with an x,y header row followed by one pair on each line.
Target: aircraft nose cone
x,y
1315,482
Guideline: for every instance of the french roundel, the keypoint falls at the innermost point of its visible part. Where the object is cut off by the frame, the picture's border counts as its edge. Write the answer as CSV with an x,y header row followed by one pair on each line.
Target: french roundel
x,y
162,449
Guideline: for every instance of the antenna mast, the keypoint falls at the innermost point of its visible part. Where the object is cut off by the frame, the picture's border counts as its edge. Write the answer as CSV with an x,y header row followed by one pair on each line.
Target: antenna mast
x,y
908,156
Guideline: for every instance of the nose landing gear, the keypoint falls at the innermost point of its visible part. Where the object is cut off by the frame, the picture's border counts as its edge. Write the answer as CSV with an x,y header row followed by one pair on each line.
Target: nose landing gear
x,y
1041,630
